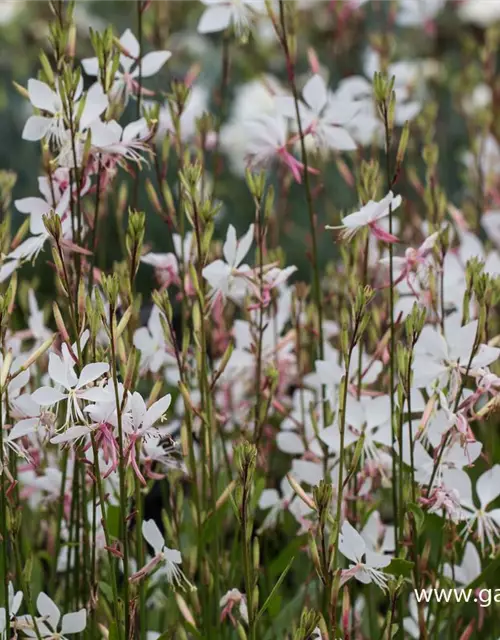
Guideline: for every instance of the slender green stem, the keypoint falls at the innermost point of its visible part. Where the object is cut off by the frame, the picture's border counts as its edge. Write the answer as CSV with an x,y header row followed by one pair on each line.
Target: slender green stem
x,y
107,537
121,472
139,551
3,523
307,182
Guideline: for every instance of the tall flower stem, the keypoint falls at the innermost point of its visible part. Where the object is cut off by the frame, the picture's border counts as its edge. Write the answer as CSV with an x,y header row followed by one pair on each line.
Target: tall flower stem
x,y
307,183
390,182
209,422
3,523
107,537
121,471
140,11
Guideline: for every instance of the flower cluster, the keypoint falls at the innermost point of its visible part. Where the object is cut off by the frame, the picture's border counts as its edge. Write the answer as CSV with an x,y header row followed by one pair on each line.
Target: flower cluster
x,y
176,454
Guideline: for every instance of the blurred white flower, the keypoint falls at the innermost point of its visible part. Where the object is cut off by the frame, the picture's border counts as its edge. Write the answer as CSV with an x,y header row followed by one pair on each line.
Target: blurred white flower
x,y
480,12
220,14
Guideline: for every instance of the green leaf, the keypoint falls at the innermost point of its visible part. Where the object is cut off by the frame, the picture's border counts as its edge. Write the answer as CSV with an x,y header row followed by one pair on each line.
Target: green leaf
x,y
193,631
273,593
107,591
113,520
113,631
288,552
418,515
400,567
291,610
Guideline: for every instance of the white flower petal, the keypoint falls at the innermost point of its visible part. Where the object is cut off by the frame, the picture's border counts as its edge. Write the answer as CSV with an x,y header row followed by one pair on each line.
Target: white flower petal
x,y
45,396
36,128
153,535
152,63
48,608
74,622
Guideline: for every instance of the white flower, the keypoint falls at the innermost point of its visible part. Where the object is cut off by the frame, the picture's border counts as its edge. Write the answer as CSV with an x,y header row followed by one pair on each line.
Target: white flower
x,y
418,13
54,126
37,208
486,522
437,357
48,623
370,417
143,420
380,537
267,142
368,217
170,559
156,352
126,78
322,115
411,623
110,138
367,563
219,14
36,322
480,12
49,101
61,371
226,277
252,100
468,570
15,601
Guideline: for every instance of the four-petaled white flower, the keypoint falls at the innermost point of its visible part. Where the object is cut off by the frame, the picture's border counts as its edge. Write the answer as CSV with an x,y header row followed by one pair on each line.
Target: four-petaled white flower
x,y
439,358
227,277
61,370
368,217
126,78
366,563
50,617
322,115
168,559
487,523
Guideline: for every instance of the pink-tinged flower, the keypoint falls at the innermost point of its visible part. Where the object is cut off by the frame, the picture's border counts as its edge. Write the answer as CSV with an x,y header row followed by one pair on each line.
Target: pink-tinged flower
x,y
220,14
366,563
443,499
168,559
413,261
168,265
231,599
267,141
141,423
126,77
368,217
